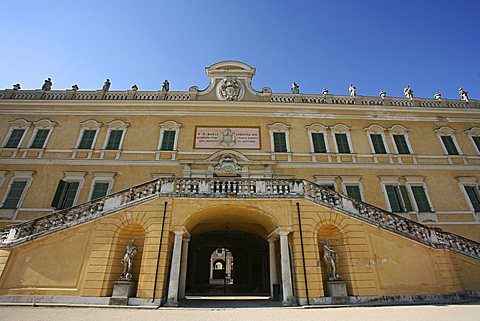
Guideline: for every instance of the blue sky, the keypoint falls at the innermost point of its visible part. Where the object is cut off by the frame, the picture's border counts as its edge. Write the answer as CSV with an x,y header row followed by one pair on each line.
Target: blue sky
x,y
431,45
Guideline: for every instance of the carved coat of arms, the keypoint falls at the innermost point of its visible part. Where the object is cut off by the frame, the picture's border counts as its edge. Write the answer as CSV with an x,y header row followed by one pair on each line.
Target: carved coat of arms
x,y
227,164
230,88
228,138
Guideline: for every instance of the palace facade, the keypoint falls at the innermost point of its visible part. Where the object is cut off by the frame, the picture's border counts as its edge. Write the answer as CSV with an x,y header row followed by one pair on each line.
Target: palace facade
x,y
230,190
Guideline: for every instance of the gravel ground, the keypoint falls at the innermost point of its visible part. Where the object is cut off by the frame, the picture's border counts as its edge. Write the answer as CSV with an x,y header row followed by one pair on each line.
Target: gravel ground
x,y
469,312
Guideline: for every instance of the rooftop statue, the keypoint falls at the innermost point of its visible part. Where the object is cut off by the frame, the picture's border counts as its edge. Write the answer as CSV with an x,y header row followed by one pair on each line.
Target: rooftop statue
x,y
295,88
330,258
47,85
127,261
75,87
383,94
408,92
325,91
437,96
106,85
135,87
352,90
463,94
165,86
17,87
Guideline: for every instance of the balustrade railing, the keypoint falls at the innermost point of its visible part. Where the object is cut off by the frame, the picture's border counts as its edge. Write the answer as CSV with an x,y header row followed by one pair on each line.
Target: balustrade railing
x,y
237,188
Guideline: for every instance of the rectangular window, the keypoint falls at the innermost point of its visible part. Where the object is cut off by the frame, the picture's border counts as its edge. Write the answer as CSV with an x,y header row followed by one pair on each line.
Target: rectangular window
x,y
474,196
15,138
449,145
100,189
378,145
401,143
168,140
114,139
398,198
40,138
86,141
342,143
279,143
421,199
476,140
65,194
319,145
353,191
14,194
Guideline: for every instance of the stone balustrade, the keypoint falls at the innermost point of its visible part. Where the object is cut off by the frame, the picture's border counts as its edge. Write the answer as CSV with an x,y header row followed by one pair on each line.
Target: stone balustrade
x,y
237,188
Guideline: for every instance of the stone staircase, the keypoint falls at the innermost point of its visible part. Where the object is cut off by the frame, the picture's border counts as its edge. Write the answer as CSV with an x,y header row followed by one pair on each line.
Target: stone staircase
x,y
237,188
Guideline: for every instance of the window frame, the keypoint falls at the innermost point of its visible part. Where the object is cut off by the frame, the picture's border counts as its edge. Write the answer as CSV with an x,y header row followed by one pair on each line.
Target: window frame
x,y
116,125
342,129
412,196
317,128
467,198
169,125
474,132
17,124
17,176
377,130
279,128
45,124
352,180
90,124
447,131
400,131
102,177
72,177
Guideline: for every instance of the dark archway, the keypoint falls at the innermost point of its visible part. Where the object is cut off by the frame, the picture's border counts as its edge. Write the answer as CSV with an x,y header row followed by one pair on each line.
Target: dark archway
x,y
250,274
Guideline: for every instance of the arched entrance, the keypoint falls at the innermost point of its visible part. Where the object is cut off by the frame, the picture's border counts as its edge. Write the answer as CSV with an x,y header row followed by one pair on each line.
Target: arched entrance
x,y
250,272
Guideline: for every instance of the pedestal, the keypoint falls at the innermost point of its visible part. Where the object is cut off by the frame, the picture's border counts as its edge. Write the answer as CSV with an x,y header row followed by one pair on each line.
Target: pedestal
x,y
122,290
337,288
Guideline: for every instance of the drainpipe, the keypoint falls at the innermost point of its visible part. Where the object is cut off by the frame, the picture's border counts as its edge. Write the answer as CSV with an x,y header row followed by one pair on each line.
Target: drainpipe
x,y
303,252
159,251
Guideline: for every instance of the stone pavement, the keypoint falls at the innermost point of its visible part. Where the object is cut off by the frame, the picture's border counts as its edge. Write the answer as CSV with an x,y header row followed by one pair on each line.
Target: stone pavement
x,y
464,312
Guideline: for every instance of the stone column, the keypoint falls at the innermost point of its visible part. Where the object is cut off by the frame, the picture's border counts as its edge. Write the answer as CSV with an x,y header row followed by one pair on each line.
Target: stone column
x,y
172,297
183,269
273,265
288,298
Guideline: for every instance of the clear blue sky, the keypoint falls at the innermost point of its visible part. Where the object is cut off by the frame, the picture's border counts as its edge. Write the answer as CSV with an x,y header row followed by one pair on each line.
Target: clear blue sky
x,y
431,45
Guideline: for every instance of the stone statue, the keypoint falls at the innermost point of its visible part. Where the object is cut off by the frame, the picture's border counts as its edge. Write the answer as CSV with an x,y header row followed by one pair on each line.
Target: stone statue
x,y
106,85
352,90
47,85
325,91
75,87
127,261
330,258
408,92
463,94
228,164
295,88
17,87
135,87
383,94
437,96
166,86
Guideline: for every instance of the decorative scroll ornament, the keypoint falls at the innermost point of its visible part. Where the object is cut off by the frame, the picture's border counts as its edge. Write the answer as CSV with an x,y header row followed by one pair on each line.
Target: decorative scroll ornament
x,y
228,164
230,88
228,138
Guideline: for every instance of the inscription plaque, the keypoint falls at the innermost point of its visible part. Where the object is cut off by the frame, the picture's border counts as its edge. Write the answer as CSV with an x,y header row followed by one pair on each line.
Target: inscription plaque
x,y
227,137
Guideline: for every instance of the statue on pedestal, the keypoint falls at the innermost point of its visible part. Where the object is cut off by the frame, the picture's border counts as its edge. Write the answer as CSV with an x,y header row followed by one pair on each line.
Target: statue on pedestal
x,y
437,96
408,92
325,91
463,94
330,258
127,261
47,85
352,90
17,87
75,87
295,88
135,87
383,94
106,85
165,86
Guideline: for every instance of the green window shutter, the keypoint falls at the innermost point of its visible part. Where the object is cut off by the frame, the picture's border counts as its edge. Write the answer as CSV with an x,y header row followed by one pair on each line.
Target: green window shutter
x,y
40,138
474,197
449,145
14,194
406,199
476,140
378,145
168,140
279,143
401,143
393,199
14,139
421,199
342,143
353,191
69,196
87,139
114,139
100,189
319,143
58,194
